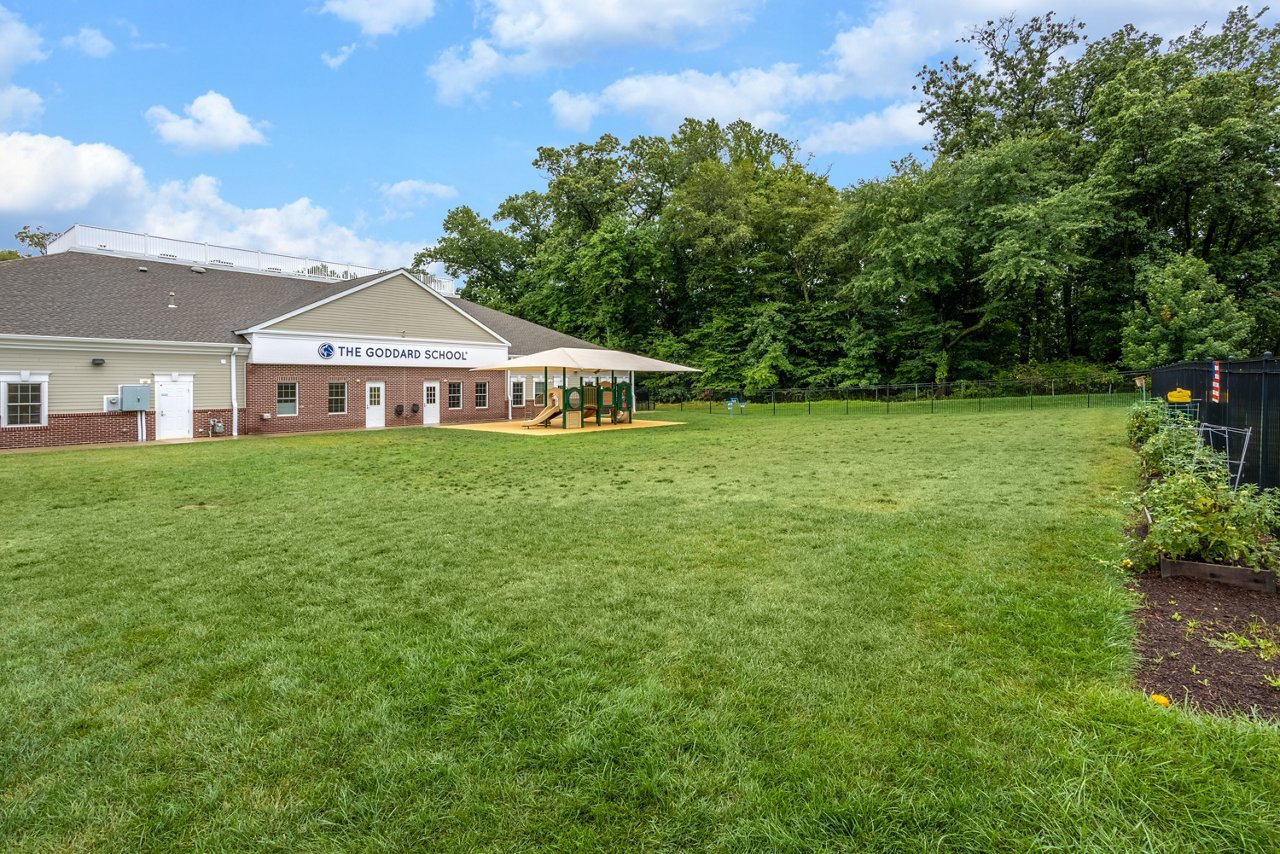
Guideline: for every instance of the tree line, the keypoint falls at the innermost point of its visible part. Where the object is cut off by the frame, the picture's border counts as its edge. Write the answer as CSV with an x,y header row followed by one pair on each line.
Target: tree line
x,y
1090,203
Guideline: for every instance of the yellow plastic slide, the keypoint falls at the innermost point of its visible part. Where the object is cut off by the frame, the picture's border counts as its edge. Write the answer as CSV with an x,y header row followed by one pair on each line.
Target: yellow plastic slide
x,y
551,411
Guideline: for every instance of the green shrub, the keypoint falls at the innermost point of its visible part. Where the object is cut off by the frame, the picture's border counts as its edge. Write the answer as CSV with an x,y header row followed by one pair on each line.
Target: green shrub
x,y
1145,420
1176,447
1196,515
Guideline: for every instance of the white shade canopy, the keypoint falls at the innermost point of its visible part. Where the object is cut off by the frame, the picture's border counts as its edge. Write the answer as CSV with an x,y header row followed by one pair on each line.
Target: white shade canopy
x,y
584,359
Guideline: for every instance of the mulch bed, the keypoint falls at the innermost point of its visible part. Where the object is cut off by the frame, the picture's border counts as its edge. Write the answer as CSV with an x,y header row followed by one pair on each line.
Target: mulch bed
x,y
1208,646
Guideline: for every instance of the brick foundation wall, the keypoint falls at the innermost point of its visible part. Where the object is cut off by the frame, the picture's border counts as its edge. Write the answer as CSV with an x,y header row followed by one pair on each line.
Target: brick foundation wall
x,y
93,428
201,427
403,387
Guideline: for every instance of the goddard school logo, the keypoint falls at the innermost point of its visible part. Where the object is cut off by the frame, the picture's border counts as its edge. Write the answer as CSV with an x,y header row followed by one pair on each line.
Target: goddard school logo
x,y
325,350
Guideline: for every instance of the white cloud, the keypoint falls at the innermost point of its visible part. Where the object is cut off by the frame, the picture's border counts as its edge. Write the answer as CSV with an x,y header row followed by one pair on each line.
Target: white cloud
x,y
90,42
51,179
18,107
461,74
51,174
759,95
574,112
870,61
882,58
195,210
212,125
381,17
335,61
415,192
19,44
526,36
895,125
873,60
549,26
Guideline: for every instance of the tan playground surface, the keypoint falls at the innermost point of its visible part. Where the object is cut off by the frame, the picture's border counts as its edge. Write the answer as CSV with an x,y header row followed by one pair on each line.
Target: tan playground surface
x,y
516,427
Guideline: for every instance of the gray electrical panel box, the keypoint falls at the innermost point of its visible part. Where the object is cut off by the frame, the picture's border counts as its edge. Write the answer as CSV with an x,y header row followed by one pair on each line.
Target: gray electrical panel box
x,y
135,398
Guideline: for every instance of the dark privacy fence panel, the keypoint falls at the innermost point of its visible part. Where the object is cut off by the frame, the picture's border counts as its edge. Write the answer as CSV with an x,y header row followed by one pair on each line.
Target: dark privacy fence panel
x,y
1250,396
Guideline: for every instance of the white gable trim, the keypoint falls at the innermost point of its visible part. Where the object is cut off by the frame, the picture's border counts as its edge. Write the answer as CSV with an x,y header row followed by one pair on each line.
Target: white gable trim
x,y
260,327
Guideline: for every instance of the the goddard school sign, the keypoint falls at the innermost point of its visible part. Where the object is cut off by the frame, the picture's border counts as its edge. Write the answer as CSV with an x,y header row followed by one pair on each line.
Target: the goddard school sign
x,y
272,349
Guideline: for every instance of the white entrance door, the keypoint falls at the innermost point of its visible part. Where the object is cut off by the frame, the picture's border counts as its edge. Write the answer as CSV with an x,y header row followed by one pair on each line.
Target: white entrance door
x,y
431,403
375,405
174,406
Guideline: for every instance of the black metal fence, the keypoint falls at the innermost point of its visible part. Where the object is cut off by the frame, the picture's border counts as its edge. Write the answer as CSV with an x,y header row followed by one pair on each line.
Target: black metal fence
x,y
1079,392
1249,392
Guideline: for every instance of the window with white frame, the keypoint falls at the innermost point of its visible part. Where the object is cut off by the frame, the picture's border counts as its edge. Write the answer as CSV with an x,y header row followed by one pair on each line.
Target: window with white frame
x,y
337,398
286,398
24,399
517,392
482,395
455,395
539,393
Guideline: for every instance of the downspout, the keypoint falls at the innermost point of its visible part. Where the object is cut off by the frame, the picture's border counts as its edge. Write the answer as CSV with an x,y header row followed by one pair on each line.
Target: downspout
x,y
235,402
508,395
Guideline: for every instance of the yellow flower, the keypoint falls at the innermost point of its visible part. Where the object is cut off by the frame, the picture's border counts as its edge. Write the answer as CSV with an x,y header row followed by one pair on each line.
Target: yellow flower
x,y
1126,563
1160,699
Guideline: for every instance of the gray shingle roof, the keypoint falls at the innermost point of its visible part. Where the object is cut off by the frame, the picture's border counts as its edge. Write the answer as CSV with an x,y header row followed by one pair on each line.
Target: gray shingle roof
x,y
526,337
84,295
87,295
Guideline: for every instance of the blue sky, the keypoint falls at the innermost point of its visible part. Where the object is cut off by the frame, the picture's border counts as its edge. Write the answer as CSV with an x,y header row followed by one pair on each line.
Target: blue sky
x,y
345,129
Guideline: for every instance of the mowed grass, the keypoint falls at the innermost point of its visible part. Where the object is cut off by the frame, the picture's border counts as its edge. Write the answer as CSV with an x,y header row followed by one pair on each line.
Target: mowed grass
x,y
742,634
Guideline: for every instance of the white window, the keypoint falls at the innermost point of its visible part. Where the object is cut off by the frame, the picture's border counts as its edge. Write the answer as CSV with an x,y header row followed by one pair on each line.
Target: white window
x,y
482,395
337,398
517,392
455,395
539,393
286,398
24,399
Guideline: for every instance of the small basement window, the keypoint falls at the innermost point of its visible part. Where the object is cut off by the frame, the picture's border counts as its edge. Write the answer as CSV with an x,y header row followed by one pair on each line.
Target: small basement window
x,y
287,398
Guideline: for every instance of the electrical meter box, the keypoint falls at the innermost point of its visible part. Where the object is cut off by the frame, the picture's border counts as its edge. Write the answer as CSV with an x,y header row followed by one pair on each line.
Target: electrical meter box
x,y
135,398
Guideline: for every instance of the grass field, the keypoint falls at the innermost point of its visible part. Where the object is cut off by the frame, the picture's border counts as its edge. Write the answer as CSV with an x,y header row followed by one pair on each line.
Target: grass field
x,y
862,403
737,634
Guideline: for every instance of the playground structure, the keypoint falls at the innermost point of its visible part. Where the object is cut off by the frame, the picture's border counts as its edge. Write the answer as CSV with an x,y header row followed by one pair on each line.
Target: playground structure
x,y
610,402
551,410
604,402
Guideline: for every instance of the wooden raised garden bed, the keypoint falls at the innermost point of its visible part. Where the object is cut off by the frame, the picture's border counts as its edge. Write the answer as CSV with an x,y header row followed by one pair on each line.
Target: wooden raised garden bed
x,y
1236,576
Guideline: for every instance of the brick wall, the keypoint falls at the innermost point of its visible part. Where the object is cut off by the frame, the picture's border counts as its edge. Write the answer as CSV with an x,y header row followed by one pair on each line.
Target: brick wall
x,y
403,387
202,428
91,428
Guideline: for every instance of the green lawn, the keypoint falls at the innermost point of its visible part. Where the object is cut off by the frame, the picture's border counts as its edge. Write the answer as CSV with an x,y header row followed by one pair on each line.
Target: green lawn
x,y
740,634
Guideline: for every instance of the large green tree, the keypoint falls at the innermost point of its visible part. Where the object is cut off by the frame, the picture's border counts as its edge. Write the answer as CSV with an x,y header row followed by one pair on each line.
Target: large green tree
x,y
1069,182
1185,314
